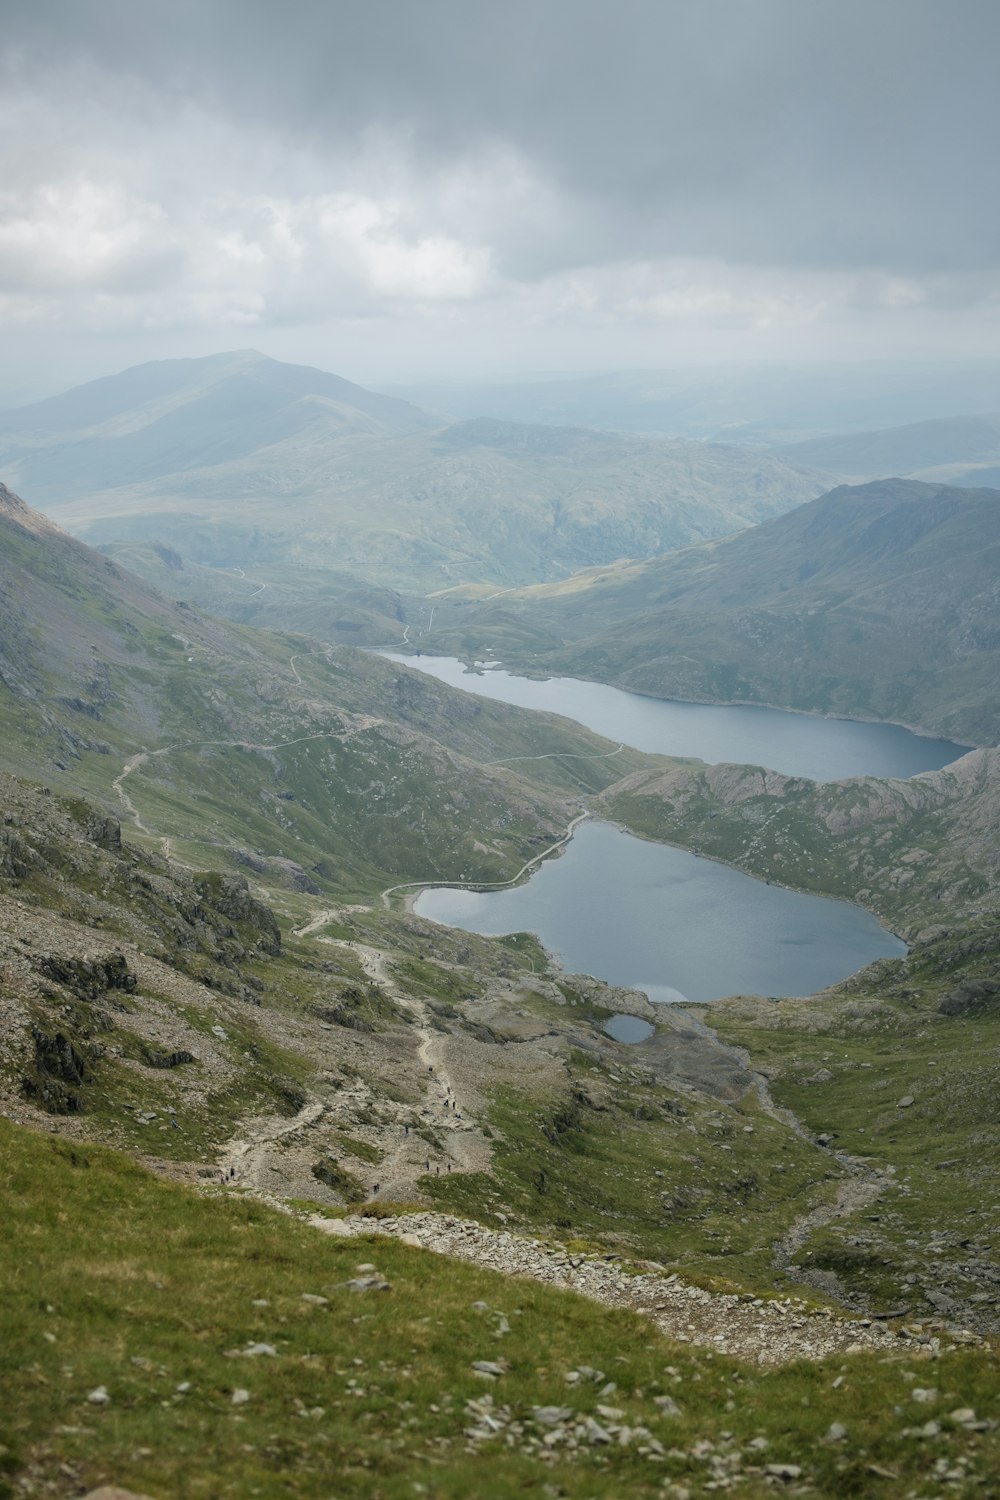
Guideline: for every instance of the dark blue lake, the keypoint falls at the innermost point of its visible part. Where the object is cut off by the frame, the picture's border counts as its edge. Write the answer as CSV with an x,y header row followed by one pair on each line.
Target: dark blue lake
x,y
798,744
664,921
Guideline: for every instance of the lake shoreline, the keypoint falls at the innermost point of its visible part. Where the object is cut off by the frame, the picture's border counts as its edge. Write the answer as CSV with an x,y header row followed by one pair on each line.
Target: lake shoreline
x,y
673,929
479,667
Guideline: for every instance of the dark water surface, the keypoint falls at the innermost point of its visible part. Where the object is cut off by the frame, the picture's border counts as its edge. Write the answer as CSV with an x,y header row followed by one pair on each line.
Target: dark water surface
x,y
629,1028
664,921
798,744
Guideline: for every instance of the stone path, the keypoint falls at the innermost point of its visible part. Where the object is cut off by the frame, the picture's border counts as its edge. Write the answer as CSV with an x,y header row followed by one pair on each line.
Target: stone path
x,y
766,1332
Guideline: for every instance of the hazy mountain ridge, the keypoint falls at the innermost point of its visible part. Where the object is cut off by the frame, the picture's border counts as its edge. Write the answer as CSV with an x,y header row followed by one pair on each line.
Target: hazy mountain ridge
x,y
958,447
244,459
764,405
176,415
876,601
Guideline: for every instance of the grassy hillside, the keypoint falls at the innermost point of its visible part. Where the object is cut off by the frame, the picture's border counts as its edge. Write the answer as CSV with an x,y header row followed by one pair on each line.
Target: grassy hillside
x,y
321,602
878,601
237,747
897,1068
124,1365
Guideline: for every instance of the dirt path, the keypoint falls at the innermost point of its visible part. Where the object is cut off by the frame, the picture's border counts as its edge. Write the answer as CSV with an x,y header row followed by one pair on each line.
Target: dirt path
x,y
557,755
858,1191
315,923
437,1136
244,1158
444,1108
118,785
488,885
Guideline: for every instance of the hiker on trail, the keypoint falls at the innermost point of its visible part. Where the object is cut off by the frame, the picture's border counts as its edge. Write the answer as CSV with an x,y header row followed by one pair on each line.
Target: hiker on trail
x,y
375,1188
406,1129
428,1164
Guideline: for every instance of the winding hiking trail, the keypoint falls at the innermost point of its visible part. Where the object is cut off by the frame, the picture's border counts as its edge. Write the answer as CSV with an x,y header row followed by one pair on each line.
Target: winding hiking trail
x,y
443,1107
245,1156
487,885
405,1155
118,785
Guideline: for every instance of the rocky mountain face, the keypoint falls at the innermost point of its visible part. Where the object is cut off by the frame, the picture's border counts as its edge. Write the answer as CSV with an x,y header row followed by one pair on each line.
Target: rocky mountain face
x,y
876,601
917,852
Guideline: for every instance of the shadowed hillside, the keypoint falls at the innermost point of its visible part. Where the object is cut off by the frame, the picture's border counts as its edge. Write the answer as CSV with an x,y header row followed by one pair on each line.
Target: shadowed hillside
x,y
879,601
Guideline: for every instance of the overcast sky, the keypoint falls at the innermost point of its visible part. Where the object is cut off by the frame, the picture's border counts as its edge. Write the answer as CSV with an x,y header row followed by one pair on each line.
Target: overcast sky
x,y
403,188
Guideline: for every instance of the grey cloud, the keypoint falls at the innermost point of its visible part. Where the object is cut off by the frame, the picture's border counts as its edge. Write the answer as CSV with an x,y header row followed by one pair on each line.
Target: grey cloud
x,y
814,133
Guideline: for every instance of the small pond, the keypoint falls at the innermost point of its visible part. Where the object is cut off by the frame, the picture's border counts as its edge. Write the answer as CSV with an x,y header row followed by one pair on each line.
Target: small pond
x,y
628,1028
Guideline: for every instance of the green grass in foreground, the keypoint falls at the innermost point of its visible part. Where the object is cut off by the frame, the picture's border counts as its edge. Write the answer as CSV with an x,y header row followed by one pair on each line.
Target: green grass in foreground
x,y
113,1278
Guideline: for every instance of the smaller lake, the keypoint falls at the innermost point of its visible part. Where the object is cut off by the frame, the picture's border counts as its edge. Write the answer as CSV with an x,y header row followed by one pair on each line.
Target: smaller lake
x,y
628,1029
662,920
797,744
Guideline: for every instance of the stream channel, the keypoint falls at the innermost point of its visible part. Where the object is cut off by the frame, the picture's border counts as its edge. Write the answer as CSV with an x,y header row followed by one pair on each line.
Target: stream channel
x,y
662,919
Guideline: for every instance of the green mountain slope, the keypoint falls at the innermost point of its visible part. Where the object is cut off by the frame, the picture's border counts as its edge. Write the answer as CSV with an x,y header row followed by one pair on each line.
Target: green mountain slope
x,y
384,1392
239,746
878,601
239,460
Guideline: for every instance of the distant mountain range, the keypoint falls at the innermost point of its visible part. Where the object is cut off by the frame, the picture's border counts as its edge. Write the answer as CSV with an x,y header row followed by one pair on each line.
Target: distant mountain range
x,y
880,601
764,405
954,450
238,459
